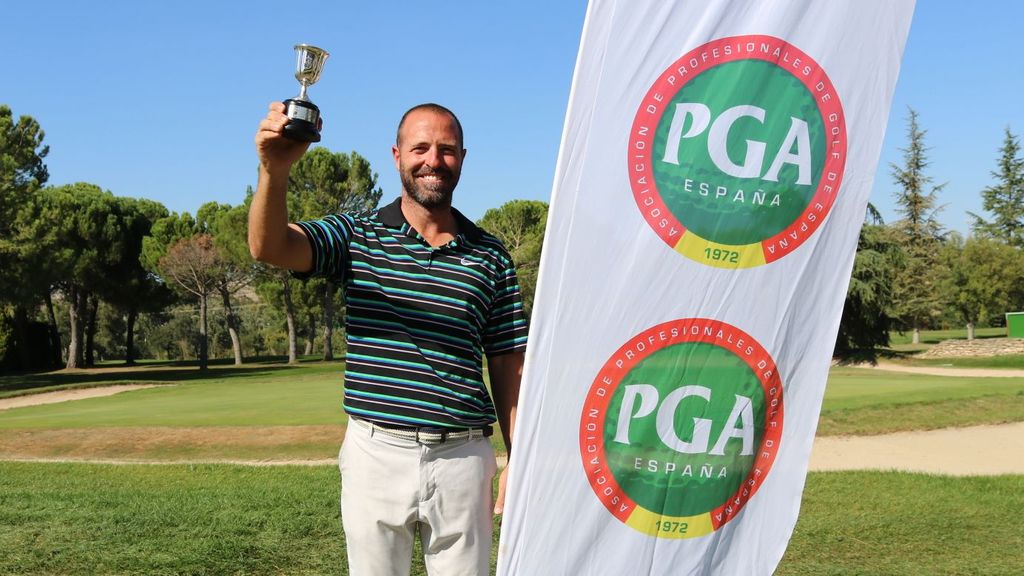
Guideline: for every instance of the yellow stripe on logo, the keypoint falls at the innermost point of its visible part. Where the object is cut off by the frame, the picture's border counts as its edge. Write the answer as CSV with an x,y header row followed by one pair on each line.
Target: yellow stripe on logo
x,y
677,527
720,255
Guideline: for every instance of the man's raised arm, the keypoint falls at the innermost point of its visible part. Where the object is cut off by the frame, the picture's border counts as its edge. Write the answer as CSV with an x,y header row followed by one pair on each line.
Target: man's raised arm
x,y
272,239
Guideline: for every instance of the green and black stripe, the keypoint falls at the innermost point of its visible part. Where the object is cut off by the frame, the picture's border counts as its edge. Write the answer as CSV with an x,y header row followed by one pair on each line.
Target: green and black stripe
x,y
419,319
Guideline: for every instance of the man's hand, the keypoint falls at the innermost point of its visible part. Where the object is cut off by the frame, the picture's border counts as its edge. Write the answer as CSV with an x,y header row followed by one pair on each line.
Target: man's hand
x,y
271,238
277,153
499,501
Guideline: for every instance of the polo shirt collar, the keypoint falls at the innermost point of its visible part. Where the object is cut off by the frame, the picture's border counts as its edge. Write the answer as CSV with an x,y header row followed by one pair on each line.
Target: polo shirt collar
x,y
392,217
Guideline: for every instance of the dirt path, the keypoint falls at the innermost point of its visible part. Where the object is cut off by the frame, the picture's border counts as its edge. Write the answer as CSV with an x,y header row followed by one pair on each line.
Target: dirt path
x,y
977,450
69,395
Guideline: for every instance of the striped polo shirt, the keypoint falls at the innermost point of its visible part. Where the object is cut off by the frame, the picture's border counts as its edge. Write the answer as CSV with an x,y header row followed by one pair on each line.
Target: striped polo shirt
x,y
419,318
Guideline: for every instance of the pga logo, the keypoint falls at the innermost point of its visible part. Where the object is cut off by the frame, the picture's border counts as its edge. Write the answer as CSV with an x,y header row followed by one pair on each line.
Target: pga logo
x,y
737,151
640,400
795,148
681,426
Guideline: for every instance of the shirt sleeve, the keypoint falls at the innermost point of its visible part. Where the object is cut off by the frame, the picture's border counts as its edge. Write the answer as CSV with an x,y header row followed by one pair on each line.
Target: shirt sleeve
x,y
329,240
507,327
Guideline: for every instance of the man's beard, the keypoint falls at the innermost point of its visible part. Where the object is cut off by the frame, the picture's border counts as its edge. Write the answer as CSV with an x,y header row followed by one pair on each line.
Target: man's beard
x,y
430,196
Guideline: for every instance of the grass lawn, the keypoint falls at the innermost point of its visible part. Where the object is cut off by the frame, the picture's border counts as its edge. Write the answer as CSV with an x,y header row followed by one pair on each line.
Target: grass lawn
x,y
154,520
221,519
1008,361
224,519
278,395
263,411
866,401
936,336
275,412
868,523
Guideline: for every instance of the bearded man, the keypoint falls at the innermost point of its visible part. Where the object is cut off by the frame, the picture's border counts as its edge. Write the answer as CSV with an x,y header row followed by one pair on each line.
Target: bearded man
x,y
428,294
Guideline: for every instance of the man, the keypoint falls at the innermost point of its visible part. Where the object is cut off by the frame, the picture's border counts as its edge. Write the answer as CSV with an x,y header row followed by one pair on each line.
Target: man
x,y
427,295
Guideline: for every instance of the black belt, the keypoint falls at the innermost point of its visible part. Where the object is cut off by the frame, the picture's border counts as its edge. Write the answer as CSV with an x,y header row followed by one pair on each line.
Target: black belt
x,y
425,434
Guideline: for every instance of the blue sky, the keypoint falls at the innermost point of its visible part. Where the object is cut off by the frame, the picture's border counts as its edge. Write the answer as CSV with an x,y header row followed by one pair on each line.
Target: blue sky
x,y
162,99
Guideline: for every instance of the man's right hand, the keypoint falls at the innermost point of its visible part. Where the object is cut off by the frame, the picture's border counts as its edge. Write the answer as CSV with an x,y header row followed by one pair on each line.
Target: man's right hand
x,y
276,151
271,238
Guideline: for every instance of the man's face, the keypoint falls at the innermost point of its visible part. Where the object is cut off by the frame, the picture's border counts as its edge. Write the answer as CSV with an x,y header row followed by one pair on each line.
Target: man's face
x,y
429,158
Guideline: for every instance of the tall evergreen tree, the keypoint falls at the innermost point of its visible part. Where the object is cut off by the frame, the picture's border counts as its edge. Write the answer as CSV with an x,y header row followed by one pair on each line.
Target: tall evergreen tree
x,y
22,170
22,174
137,290
916,295
79,239
865,324
1005,199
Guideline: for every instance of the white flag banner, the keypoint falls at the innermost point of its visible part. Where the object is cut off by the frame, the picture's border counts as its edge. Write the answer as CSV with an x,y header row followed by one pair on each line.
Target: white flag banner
x,y
714,172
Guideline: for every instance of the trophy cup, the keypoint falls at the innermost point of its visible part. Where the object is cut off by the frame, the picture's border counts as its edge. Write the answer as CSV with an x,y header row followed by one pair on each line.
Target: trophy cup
x,y
304,115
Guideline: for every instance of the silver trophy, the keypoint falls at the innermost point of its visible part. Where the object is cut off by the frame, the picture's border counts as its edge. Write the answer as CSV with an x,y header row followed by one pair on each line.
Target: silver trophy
x,y
304,116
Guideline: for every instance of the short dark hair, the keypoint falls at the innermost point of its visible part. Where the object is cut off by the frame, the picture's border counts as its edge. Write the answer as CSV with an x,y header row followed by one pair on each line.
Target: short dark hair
x,y
433,108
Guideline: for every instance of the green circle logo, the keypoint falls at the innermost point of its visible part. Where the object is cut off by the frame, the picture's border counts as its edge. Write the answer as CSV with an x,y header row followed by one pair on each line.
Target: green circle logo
x,y
737,151
681,427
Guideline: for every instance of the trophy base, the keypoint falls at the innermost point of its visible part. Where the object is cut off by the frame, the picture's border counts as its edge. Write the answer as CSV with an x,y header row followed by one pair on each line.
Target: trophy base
x,y
303,117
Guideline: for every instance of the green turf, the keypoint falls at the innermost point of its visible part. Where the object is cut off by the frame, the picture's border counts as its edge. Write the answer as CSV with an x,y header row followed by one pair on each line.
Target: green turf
x,y
156,520
884,419
851,388
260,395
895,524
175,519
864,401
156,373
936,336
875,401
257,396
1008,361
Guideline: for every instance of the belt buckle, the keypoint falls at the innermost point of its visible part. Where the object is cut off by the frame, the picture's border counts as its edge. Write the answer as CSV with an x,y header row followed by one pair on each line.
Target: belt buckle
x,y
425,437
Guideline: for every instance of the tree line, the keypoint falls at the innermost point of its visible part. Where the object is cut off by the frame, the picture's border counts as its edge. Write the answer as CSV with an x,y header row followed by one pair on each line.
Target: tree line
x,y
913,274
87,276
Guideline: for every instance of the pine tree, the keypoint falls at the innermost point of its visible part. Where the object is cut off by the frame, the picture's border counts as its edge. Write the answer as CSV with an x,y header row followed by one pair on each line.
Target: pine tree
x,y
1005,199
916,294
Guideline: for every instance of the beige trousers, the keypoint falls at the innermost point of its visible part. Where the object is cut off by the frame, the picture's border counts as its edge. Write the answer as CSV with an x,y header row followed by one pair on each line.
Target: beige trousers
x,y
390,487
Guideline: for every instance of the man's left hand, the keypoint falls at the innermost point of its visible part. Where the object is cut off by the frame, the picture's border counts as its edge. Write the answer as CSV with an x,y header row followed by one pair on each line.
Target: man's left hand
x,y
499,502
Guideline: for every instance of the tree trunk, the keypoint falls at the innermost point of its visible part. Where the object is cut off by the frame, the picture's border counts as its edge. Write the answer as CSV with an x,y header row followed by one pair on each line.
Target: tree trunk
x,y
75,312
204,359
917,336
329,320
92,304
129,336
311,335
55,345
236,343
289,315
970,331
21,337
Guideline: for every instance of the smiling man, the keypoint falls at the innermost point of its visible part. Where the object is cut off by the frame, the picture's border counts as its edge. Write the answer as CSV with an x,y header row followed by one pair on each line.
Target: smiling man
x,y
428,295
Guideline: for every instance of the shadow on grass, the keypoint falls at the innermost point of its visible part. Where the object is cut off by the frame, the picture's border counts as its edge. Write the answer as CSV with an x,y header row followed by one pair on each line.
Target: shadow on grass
x,y
873,355
890,354
150,372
